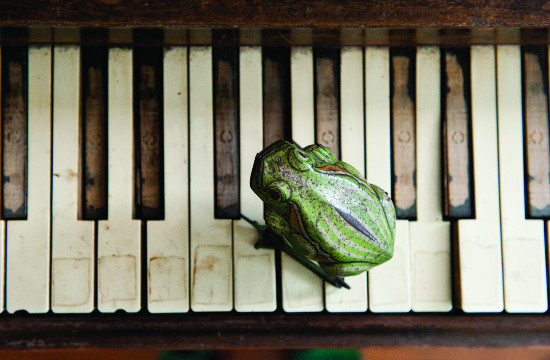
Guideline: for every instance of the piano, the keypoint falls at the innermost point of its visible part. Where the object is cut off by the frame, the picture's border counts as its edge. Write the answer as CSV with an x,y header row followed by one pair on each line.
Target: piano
x,y
128,134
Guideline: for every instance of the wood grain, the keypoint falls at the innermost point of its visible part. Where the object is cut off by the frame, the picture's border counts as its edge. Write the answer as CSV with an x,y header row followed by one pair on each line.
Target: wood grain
x,y
148,115
327,98
457,160
536,146
14,132
94,134
402,92
264,13
226,129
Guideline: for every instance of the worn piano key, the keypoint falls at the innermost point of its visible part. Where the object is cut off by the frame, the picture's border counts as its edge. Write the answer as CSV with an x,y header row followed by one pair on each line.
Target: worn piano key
x,y
2,222
327,98
94,133
523,255
73,245
402,92
478,240
211,239
536,128
457,160
276,94
119,237
389,283
14,132
148,114
302,290
226,125
352,145
168,240
254,278
28,241
430,236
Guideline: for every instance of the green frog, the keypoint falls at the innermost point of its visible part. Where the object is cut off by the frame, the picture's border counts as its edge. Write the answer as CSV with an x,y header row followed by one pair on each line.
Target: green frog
x,y
321,211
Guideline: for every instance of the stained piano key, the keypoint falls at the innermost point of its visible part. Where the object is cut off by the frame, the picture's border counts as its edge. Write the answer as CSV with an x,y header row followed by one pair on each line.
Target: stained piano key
x,y
211,239
457,161
119,237
536,128
430,238
276,91
73,244
148,114
389,283
478,240
301,289
94,133
14,132
523,250
402,92
168,240
327,98
28,241
2,222
352,145
226,125
255,272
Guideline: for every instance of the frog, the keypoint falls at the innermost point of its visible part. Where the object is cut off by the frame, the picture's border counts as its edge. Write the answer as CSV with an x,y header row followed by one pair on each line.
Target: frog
x,y
322,211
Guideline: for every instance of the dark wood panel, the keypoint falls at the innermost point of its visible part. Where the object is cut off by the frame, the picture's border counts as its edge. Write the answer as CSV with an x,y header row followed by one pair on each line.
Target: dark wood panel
x,y
274,330
14,132
94,133
264,13
226,130
403,128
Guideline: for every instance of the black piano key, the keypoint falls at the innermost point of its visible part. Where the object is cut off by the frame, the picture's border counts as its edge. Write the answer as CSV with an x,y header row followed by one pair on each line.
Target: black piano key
x,y
276,94
458,187
226,130
536,132
327,98
403,129
93,204
14,132
148,125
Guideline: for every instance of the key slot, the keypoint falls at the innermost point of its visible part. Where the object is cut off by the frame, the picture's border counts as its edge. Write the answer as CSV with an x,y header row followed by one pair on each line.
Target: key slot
x,y
148,125
458,199
536,132
14,132
226,128
402,92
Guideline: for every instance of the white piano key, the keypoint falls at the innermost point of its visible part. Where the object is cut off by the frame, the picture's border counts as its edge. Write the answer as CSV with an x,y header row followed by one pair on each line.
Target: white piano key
x,y
119,237
168,240
28,241
389,283
523,249
211,239
352,145
254,280
73,242
479,243
430,236
302,290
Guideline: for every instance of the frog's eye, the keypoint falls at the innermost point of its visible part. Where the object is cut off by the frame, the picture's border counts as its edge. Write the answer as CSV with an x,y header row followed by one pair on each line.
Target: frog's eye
x,y
279,191
299,159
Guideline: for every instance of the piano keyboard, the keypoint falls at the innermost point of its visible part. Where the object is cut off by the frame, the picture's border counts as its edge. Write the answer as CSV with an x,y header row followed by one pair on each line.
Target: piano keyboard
x,y
125,170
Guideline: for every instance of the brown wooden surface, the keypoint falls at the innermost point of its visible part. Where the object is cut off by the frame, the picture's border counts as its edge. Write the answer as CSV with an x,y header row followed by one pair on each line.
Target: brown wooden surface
x,y
274,330
536,130
226,129
287,13
14,132
457,159
327,98
94,133
403,125
148,115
